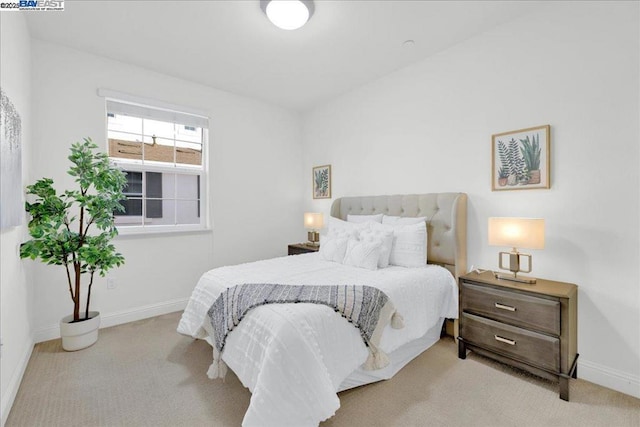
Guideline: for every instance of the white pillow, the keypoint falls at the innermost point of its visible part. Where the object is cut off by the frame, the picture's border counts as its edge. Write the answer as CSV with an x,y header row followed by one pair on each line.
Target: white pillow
x,y
409,244
333,248
364,218
385,239
338,227
362,254
402,220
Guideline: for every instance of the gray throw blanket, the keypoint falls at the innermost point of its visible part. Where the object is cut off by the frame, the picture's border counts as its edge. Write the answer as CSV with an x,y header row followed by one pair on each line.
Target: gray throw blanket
x,y
367,308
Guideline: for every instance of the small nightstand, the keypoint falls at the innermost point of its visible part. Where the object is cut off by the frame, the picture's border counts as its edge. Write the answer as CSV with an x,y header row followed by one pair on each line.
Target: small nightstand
x,y
531,327
302,248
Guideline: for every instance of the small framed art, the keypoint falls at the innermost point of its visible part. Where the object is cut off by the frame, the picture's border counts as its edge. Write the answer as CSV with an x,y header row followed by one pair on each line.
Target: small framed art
x,y
520,159
322,182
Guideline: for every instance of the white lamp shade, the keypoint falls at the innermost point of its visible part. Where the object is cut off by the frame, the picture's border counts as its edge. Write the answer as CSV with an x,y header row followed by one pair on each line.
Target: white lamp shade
x,y
313,220
517,232
287,14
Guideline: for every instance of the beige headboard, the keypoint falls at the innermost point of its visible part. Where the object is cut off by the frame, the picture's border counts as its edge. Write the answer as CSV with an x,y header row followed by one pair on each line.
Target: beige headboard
x,y
446,215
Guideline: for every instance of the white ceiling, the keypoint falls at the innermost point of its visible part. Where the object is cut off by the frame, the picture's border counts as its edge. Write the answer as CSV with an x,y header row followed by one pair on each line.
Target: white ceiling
x,y
231,45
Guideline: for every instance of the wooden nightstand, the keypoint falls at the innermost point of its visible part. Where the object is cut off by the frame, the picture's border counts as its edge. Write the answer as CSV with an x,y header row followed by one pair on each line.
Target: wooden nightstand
x,y
302,248
531,327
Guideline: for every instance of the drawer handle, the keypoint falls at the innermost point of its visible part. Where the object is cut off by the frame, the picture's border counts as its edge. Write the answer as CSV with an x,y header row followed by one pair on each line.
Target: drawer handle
x,y
505,307
504,340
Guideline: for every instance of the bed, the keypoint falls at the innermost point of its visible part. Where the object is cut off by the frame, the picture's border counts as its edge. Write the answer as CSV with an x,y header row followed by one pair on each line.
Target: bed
x,y
294,358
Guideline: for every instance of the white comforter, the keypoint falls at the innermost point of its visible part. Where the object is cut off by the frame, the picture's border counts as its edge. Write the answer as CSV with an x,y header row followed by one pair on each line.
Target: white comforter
x,y
293,357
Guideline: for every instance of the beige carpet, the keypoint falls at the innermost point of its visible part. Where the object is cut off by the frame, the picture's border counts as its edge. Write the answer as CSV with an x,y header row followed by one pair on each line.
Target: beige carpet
x,y
145,374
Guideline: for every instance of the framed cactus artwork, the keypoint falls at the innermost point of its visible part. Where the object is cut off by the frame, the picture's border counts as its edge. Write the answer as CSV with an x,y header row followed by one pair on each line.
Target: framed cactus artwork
x,y
322,182
520,159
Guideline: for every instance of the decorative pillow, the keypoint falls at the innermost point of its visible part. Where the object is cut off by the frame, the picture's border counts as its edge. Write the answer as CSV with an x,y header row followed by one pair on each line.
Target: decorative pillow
x,y
402,220
338,227
333,248
364,218
409,245
385,238
362,254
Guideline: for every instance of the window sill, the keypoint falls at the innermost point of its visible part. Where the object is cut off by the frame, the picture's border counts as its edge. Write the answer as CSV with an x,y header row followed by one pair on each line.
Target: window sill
x,y
161,230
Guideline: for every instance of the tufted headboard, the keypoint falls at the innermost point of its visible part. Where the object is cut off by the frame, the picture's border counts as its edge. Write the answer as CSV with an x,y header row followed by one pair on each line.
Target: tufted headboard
x,y
446,221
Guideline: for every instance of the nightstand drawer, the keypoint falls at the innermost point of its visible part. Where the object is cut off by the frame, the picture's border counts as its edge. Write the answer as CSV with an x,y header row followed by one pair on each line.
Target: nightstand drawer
x,y
527,346
517,309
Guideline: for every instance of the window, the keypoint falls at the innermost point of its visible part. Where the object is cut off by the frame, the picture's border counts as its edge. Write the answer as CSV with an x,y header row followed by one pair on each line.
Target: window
x,y
163,152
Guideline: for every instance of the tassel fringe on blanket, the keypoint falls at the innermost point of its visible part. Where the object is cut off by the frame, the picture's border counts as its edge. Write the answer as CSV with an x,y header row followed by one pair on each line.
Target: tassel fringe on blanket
x,y
367,308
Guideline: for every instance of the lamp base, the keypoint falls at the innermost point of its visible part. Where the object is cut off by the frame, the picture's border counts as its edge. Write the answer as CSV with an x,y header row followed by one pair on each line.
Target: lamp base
x,y
313,238
514,278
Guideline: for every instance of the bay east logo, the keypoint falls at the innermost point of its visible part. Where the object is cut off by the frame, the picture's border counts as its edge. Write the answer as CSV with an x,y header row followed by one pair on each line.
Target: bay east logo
x,y
41,4
30,5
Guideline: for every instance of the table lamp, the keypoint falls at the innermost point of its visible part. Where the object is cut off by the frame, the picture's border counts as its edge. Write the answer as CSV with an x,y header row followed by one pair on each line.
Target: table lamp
x,y
517,233
313,223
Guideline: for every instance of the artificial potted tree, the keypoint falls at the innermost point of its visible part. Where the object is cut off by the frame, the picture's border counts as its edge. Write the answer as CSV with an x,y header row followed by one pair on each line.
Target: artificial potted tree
x,y
74,229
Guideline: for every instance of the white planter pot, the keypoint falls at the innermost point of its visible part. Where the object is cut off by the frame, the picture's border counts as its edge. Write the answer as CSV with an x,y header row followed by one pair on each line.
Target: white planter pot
x,y
79,335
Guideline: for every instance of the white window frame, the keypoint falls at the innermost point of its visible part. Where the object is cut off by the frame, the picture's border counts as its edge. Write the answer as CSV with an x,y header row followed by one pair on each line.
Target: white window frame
x,y
152,166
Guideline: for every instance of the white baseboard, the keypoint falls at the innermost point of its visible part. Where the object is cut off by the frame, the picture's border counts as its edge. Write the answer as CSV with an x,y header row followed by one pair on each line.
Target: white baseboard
x,y
14,383
117,318
609,377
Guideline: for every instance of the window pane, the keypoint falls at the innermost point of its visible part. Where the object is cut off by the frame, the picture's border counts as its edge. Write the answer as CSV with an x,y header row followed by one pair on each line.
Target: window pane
x,y
168,216
153,191
134,183
124,136
119,122
124,149
188,133
158,140
187,187
132,207
188,211
168,186
188,153
158,128
158,149
154,208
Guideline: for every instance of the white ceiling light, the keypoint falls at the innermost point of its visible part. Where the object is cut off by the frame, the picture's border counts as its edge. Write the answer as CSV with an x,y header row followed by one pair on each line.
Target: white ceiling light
x,y
288,14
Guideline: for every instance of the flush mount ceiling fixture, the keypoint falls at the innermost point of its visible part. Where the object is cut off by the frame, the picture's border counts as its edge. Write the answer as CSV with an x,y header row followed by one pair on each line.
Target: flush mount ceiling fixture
x,y
288,14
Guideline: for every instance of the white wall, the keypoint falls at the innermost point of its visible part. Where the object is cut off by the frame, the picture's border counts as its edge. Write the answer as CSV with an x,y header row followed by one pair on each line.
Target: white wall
x,y
428,127
16,292
255,188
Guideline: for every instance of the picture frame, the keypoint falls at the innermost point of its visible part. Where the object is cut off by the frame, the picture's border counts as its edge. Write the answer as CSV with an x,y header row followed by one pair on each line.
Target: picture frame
x,y
521,159
11,195
321,182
